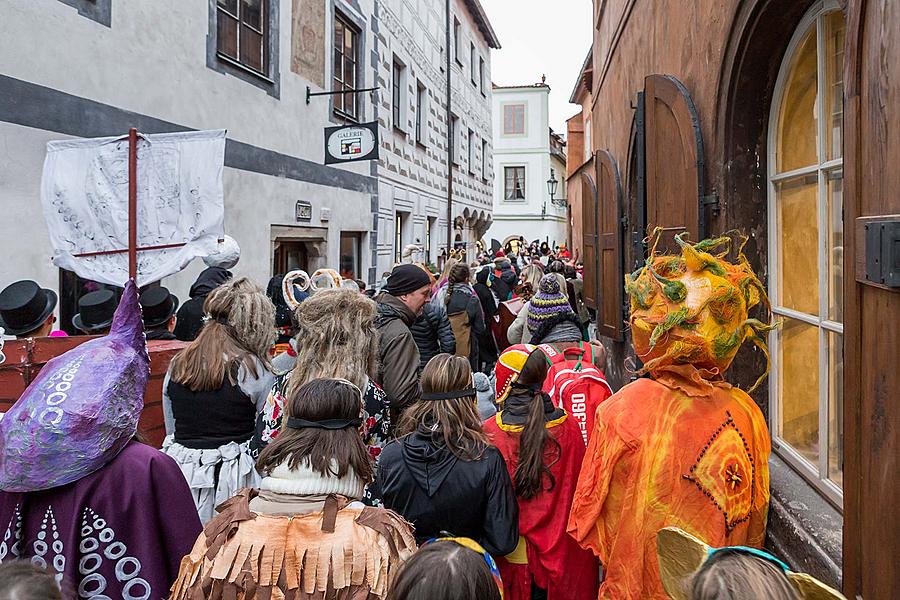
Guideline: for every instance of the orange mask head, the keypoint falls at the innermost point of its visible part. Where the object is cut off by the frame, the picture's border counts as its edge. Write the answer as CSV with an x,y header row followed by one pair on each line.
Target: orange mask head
x,y
693,308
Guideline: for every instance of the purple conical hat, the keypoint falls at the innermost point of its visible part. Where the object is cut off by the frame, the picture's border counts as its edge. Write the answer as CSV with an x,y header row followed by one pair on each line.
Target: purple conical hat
x,y
81,410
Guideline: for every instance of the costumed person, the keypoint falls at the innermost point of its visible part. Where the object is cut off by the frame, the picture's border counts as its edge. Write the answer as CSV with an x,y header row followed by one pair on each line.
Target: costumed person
x,y
543,449
448,568
691,570
112,516
283,353
95,312
443,474
464,311
27,309
681,448
325,279
335,338
303,533
549,303
158,308
487,346
190,315
215,388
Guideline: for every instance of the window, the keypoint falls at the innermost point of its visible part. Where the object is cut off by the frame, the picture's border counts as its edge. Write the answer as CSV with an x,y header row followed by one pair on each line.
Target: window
x,y
514,183
472,63
471,151
481,76
351,244
484,152
96,10
588,151
399,223
457,38
241,33
806,249
429,224
345,68
398,73
513,119
454,144
421,114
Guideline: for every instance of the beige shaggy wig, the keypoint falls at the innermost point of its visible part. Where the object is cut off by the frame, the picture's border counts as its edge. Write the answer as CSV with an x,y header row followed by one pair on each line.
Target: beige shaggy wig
x,y
336,338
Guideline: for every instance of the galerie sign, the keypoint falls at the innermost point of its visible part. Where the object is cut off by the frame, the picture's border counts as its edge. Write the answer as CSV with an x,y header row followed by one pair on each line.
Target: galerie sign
x,y
351,143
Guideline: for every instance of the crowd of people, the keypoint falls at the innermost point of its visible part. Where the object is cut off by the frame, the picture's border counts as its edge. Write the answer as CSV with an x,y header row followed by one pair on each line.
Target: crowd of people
x,y
436,436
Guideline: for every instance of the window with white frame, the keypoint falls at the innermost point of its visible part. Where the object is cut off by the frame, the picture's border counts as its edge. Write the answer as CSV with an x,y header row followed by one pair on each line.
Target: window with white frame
x,y
513,119
514,183
806,243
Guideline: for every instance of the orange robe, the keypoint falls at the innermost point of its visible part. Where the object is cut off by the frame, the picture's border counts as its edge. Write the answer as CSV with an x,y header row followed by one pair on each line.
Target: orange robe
x,y
678,451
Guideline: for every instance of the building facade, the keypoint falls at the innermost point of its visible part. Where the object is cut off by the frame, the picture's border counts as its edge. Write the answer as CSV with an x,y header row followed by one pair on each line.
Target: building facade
x,y
91,68
579,156
525,160
771,119
435,146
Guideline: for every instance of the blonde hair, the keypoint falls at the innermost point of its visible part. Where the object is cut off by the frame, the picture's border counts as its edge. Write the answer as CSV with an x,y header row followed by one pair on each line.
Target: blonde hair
x,y
532,274
239,327
336,338
456,420
735,575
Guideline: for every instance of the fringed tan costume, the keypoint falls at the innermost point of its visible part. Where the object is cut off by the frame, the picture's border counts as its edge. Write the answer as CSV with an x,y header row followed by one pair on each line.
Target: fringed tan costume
x,y
341,553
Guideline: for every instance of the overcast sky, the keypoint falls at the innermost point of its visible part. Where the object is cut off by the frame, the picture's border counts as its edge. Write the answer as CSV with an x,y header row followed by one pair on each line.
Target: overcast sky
x,y
549,37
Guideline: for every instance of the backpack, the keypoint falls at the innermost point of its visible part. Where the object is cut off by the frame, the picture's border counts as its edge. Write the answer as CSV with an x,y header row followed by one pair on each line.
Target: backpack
x,y
575,384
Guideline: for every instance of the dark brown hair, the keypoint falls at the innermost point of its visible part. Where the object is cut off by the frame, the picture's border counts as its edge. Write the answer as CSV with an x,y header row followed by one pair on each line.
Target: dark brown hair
x,y
531,469
22,580
240,327
457,420
444,571
318,400
460,273
736,575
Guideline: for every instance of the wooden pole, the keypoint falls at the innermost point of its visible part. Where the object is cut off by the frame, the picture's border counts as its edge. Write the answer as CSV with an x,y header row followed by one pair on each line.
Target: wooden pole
x,y
132,204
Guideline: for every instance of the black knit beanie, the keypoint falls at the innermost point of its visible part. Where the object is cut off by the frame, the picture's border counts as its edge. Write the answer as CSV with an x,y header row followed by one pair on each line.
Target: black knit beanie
x,y
405,279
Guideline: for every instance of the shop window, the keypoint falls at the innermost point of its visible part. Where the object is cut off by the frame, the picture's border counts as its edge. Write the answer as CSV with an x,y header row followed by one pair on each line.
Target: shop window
x,y
514,183
351,255
513,119
345,67
806,250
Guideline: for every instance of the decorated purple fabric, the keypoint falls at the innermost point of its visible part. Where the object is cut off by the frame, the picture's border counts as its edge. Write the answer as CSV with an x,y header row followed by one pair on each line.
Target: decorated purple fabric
x,y
81,410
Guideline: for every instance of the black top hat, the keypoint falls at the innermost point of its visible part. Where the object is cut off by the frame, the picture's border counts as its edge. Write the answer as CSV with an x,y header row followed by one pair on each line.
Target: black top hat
x,y
24,305
158,306
95,311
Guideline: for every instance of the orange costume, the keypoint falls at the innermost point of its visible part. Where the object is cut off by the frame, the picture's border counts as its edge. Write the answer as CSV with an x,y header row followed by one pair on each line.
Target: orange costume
x,y
683,449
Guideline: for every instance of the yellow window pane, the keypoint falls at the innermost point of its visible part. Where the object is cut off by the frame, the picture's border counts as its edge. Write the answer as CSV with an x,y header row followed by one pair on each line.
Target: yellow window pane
x,y
835,245
836,408
798,254
798,387
797,115
833,32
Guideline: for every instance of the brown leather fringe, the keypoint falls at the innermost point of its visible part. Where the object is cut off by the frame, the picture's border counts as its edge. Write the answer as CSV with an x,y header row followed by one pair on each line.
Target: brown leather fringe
x,y
245,556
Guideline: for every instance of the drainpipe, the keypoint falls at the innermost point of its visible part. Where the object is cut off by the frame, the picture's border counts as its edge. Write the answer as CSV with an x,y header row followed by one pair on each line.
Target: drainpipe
x,y
450,139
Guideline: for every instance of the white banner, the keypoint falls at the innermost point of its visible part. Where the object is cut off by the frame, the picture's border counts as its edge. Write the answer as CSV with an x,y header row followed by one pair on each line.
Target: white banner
x,y
180,200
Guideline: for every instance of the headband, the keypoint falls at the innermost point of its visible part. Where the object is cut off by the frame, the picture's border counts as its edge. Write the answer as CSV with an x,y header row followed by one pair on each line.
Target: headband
x,y
475,547
330,424
466,393
753,552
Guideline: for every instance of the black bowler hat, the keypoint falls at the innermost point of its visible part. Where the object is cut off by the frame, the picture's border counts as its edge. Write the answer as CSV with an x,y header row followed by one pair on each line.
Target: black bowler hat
x,y
158,306
24,305
95,311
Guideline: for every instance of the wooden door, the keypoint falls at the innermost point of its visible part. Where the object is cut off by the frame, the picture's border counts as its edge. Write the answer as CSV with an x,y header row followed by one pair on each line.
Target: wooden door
x,y
610,251
589,244
674,160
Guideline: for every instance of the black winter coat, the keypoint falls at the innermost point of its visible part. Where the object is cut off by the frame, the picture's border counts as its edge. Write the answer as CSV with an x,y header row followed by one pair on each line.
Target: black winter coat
x,y
436,491
190,315
432,333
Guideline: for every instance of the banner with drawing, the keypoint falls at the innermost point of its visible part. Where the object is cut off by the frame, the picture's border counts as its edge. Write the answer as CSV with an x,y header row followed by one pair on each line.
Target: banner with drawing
x,y
180,203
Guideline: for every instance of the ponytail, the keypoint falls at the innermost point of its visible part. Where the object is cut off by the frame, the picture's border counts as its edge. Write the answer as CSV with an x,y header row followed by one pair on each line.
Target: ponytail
x,y
531,470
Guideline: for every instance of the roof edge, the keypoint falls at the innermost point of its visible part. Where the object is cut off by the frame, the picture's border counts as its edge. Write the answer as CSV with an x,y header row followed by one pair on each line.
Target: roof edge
x,y
484,24
578,82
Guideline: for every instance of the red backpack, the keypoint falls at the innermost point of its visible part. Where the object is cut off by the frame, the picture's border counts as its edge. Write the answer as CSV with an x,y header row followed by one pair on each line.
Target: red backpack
x,y
575,383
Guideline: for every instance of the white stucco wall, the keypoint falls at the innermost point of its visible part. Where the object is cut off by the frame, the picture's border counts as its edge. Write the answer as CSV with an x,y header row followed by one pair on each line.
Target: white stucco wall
x,y
535,217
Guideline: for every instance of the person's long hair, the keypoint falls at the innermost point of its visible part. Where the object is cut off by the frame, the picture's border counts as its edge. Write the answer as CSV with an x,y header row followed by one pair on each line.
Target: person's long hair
x,y
534,457
444,570
445,272
459,275
238,331
324,449
336,337
735,575
532,274
456,421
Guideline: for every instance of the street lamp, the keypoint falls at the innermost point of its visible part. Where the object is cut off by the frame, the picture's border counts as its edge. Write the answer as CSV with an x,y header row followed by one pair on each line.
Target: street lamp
x,y
552,185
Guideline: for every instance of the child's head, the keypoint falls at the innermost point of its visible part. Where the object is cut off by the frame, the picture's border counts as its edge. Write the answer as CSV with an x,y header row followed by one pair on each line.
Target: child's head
x,y
446,570
22,580
737,575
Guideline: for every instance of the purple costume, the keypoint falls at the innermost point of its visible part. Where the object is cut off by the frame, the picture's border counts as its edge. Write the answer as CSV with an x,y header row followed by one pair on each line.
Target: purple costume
x,y
112,516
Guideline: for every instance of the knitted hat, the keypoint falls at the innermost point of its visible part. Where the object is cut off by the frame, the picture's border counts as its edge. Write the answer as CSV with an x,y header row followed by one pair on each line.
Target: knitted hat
x,y
509,365
405,279
547,303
